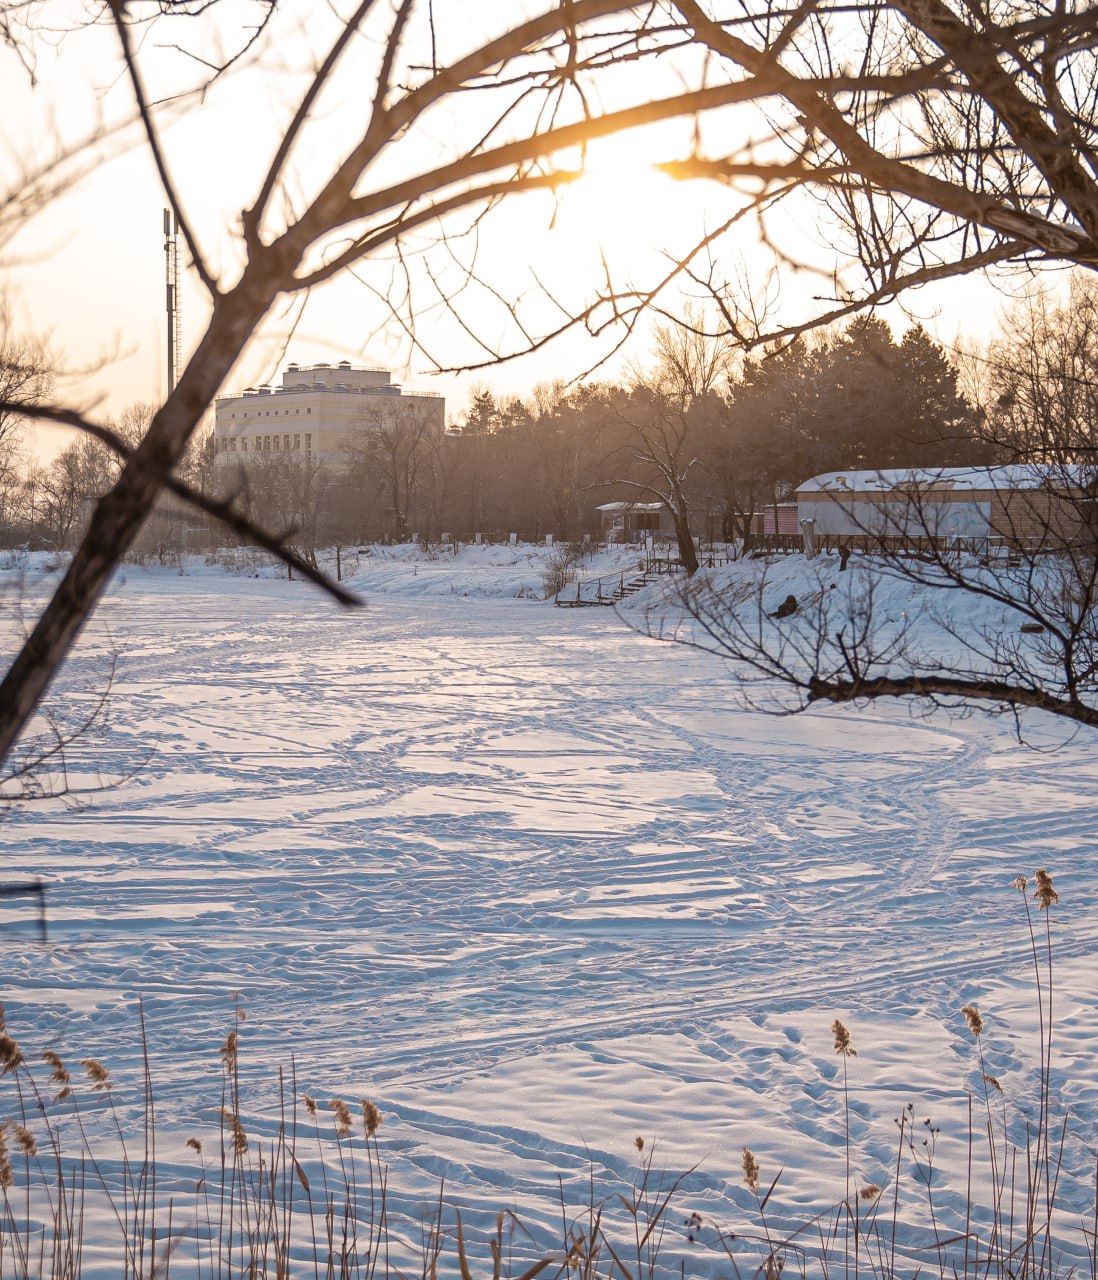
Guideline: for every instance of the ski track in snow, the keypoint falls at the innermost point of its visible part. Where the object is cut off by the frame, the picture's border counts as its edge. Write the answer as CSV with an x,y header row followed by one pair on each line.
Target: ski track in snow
x,y
531,882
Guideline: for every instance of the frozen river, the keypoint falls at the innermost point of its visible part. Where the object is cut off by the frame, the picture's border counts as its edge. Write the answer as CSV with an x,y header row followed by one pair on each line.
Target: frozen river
x,y
535,885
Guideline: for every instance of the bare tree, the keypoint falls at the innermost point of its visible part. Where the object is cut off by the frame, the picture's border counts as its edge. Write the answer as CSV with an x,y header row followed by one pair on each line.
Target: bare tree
x,y
65,491
25,381
692,360
286,492
661,457
664,415
1038,380
58,498
443,465
399,449
940,141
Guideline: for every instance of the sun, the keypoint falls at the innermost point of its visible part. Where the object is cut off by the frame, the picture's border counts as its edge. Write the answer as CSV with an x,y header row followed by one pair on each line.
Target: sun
x,y
625,210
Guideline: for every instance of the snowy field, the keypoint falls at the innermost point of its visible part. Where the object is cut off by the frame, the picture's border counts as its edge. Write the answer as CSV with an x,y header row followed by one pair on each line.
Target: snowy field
x,y
534,884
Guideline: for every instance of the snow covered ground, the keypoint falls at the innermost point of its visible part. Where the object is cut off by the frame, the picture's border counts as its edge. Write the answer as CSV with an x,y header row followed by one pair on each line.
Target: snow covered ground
x,y
535,884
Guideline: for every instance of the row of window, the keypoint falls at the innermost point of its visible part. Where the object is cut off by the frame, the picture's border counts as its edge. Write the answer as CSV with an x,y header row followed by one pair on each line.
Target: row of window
x,y
266,413
265,444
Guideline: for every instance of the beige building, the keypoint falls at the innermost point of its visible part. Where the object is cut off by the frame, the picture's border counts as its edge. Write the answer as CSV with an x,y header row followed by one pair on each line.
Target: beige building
x,y
321,412
1020,506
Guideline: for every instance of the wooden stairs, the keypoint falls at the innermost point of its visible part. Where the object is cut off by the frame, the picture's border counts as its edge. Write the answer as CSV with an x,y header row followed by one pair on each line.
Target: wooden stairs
x,y
598,591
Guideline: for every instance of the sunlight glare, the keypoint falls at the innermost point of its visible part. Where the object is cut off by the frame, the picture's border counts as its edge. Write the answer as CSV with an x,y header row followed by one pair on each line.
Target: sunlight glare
x,y
622,207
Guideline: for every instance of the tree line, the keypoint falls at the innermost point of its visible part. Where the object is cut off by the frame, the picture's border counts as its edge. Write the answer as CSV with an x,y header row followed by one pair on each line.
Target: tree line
x,y
715,438
712,439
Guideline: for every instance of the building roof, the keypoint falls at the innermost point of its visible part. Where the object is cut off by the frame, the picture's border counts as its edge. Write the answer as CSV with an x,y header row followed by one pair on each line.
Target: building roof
x,y
630,506
952,479
341,379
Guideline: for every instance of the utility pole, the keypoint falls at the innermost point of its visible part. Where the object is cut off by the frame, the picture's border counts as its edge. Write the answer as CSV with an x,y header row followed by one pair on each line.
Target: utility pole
x,y
171,280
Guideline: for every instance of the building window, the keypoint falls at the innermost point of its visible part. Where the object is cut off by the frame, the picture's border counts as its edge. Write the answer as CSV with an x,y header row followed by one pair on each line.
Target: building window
x,y
244,445
308,442
286,441
275,444
308,410
297,440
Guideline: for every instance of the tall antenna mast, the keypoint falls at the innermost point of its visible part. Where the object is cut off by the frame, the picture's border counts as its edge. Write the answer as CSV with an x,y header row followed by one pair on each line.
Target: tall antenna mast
x,y
171,280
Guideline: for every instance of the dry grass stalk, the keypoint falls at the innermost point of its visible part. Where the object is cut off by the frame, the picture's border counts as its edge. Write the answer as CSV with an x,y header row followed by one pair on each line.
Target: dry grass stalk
x,y
371,1117
97,1073
843,1043
229,1050
7,1176
972,1017
1045,895
343,1121
260,1215
11,1056
236,1131
750,1170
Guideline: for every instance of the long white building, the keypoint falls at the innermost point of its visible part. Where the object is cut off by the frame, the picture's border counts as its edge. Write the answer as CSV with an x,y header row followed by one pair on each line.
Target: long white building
x,y
322,412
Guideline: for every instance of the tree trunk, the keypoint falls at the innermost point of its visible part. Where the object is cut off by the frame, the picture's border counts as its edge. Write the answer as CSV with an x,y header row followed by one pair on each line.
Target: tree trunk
x,y
687,551
119,515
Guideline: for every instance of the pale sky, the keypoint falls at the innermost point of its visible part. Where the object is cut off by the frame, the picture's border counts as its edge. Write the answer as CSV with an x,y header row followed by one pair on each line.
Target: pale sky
x,y
88,273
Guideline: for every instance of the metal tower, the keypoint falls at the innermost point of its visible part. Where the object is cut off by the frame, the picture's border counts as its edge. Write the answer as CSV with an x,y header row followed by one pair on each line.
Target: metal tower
x,y
171,280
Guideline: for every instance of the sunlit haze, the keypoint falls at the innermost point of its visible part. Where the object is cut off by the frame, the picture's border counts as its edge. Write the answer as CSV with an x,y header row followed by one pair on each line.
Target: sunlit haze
x,y
87,273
